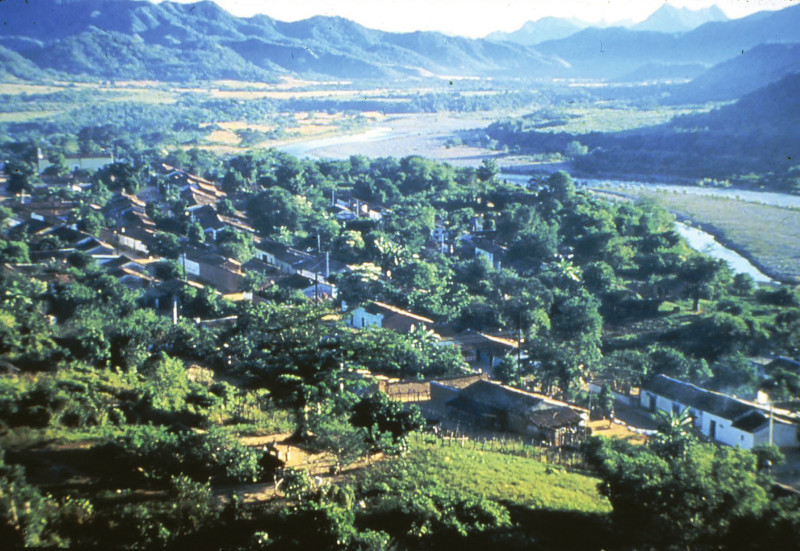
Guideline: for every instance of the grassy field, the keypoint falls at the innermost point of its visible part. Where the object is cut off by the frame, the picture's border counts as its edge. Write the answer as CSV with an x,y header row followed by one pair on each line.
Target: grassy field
x,y
25,116
610,118
768,235
503,477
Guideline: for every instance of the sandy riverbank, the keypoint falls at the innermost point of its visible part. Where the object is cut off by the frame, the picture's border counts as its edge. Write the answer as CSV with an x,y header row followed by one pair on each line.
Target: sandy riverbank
x,y
429,135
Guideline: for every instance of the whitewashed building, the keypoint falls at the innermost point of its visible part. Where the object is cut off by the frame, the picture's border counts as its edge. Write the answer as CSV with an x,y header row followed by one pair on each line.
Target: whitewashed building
x,y
720,417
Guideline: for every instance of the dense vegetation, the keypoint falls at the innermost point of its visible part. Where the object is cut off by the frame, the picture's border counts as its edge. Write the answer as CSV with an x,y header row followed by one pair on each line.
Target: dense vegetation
x,y
155,408
121,428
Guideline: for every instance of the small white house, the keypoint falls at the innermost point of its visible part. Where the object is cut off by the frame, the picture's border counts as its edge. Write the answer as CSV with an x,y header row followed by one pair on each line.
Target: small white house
x,y
360,318
386,316
720,417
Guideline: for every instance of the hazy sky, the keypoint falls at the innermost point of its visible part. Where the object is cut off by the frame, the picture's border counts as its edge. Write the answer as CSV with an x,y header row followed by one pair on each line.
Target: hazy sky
x,y
476,17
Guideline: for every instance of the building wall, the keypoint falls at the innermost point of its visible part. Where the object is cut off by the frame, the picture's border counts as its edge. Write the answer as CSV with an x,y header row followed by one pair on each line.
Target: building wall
x,y
441,393
725,433
192,267
784,435
265,257
360,318
222,279
131,243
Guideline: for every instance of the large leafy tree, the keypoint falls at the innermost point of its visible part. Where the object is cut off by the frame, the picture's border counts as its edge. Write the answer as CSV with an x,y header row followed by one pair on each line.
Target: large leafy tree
x,y
276,208
288,349
703,278
380,417
676,492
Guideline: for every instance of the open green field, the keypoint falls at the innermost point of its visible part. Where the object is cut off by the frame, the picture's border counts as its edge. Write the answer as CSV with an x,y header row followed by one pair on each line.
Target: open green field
x,y
499,476
767,235
610,117
25,116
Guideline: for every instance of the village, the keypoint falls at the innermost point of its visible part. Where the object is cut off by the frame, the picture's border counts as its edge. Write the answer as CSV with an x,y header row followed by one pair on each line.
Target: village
x,y
132,248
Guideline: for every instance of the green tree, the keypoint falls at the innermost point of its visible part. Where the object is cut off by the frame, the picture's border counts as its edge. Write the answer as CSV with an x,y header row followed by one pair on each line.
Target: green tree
x,y
165,244
236,244
14,252
167,383
381,416
275,208
694,499
575,149
313,525
18,177
25,513
703,277
488,170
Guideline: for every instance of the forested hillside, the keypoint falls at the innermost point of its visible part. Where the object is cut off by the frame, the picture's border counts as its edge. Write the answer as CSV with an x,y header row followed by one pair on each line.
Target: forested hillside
x,y
133,39
189,42
757,135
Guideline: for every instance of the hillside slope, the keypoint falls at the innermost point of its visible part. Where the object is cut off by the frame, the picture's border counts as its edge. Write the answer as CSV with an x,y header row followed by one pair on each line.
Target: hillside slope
x,y
741,75
614,52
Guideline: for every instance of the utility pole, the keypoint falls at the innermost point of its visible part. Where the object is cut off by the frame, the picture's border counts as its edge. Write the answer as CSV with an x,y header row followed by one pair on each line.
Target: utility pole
x,y
519,338
771,426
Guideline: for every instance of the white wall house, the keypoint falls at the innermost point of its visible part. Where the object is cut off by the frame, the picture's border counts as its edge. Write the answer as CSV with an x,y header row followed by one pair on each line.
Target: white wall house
x,y
722,418
361,319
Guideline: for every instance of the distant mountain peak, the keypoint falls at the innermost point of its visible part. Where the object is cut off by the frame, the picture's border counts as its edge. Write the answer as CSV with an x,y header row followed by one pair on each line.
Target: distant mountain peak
x,y
541,30
669,19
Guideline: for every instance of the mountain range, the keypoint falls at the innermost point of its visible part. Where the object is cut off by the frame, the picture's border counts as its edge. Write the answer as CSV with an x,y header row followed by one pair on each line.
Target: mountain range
x,y
666,19
136,39
171,41
669,19
741,75
541,30
614,52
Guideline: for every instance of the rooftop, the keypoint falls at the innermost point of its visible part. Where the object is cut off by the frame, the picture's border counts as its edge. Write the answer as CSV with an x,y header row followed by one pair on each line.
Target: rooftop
x,y
376,307
693,396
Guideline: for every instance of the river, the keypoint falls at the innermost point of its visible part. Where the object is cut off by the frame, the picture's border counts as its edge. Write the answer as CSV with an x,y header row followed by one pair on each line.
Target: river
x,y
704,242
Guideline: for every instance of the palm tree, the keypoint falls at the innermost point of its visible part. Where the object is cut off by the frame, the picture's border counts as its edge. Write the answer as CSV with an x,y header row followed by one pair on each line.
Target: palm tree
x,y
674,431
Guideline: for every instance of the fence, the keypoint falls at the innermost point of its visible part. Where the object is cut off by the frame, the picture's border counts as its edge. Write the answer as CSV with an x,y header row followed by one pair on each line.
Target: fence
x,y
409,396
506,444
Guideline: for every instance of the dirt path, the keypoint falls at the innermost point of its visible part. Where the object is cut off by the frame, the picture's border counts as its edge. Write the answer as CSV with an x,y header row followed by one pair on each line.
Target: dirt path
x,y
318,465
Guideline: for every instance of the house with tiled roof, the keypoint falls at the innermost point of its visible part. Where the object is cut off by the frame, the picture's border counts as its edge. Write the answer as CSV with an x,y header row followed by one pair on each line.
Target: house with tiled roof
x,y
208,218
281,256
382,315
222,273
498,407
315,289
129,272
121,204
722,418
